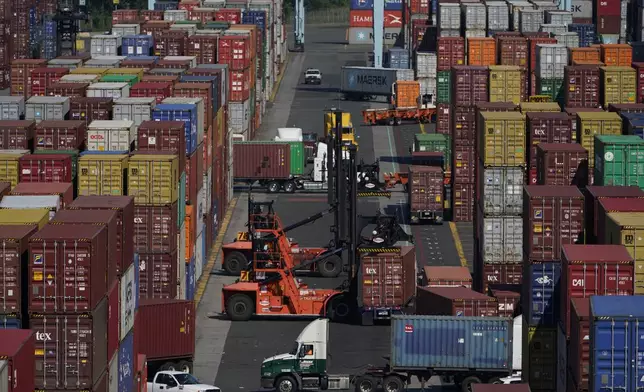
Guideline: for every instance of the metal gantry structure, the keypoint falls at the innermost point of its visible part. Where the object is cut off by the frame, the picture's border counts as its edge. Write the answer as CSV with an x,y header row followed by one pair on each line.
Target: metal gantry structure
x,y
298,25
378,31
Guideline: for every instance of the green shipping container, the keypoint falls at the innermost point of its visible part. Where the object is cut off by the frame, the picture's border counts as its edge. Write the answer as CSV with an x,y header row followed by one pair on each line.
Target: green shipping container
x,y
443,86
619,160
73,153
434,142
130,79
554,88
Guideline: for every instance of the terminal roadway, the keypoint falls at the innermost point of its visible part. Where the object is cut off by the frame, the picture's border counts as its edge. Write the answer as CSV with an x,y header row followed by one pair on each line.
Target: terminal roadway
x,y
229,354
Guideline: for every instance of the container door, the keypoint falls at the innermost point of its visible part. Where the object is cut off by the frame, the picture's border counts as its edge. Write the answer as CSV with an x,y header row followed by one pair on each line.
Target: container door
x,y
113,374
13,112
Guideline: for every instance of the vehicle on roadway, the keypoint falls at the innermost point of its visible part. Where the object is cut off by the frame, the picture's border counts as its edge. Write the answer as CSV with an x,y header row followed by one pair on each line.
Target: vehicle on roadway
x,y
312,76
407,104
172,381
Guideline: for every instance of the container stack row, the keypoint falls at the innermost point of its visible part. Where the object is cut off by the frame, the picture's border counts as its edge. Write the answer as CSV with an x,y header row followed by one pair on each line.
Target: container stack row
x,y
360,30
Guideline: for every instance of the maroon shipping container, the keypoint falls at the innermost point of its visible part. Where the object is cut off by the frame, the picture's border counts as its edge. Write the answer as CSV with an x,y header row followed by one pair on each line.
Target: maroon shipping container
x,y
158,90
41,78
594,193
106,218
60,135
544,127
173,64
171,43
67,268
469,85
533,41
194,174
507,296
132,63
230,15
464,165
582,87
167,136
552,216
562,164
626,107
462,202
425,190
21,75
593,270
261,161
13,256
639,68
443,118
513,51
125,16
89,109
450,51
572,115
16,134
46,168
204,47
155,228
66,89
155,28
607,205
113,312
203,15
158,275
64,190
447,276
579,347
148,15
124,207
498,274
170,327
608,24
73,347
464,125
198,90
454,301
17,347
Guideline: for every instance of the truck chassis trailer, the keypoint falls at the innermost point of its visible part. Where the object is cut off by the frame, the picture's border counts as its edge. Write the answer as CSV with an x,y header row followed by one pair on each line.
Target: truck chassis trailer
x,y
397,116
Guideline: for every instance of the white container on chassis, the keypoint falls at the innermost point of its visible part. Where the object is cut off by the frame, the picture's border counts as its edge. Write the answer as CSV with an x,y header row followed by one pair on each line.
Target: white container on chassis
x,y
110,135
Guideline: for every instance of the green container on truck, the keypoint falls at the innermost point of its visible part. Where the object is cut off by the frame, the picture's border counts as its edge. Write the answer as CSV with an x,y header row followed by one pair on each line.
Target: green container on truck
x,y
619,160
432,143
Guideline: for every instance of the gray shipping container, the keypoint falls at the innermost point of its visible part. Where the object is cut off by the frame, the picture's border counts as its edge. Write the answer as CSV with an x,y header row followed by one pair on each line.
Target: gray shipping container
x,y
475,16
239,117
450,342
46,108
12,107
102,63
558,17
569,40
500,239
105,45
501,190
449,16
553,28
126,29
4,376
582,9
516,14
134,109
551,61
426,65
498,16
368,80
530,20
64,63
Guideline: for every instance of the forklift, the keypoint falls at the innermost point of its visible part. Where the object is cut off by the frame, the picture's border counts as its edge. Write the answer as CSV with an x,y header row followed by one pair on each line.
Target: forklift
x,y
269,286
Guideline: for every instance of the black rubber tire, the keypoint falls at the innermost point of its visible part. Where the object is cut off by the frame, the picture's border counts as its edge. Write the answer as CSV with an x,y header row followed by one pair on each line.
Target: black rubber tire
x,y
290,187
235,263
166,366
391,121
366,384
495,380
339,309
393,384
273,187
398,121
466,385
281,382
185,366
240,307
331,267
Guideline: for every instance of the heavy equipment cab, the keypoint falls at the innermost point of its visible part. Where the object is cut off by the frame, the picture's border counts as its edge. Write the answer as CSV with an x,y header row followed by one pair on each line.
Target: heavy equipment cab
x,y
348,131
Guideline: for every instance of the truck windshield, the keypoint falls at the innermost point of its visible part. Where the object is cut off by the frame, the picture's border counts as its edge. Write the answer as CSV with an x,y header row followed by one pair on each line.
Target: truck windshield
x,y
347,131
295,348
186,379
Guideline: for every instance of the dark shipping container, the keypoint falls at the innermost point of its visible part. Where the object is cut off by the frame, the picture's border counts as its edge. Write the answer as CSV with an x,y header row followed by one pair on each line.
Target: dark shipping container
x,y
469,85
17,347
158,275
608,205
579,347
562,164
425,190
64,190
155,228
447,276
66,89
450,51
89,109
45,168
544,127
163,136
463,202
387,280
17,134
508,297
60,135
170,327
261,161
14,240
454,301
582,87
592,195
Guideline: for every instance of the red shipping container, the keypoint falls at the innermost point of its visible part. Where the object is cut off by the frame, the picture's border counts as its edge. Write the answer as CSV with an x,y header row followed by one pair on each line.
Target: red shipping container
x,y
15,241
562,164
67,268
454,301
499,274
202,15
204,47
513,51
469,85
626,107
229,15
124,207
608,24
235,51
579,347
582,86
90,109
21,75
639,68
594,193
106,218
450,51
593,270
171,327
73,347
188,5
64,190
173,64
464,165
507,296
66,89
158,90
125,16
46,168
544,127
239,85
419,7
447,276
113,312
607,205
463,202
41,78
170,43
155,228
553,216
163,136
607,8
141,372
17,347
197,90
60,135
532,43
16,134
194,174
158,275
464,125
443,118
148,15
131,63
156,28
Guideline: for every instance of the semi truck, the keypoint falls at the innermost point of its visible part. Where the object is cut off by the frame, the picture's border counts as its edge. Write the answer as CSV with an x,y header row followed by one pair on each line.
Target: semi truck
x,y
462,350
366,83
407,104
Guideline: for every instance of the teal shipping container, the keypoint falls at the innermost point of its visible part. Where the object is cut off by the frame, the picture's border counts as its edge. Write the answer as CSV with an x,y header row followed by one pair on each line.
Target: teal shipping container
x,y
619,160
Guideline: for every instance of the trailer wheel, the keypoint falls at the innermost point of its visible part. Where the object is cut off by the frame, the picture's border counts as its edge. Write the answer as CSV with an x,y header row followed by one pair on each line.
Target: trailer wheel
x,y
391,121
273,187
398,120
235,262
366,384
290,187
339,310
240,307
330,267
286,384
184,366
392,384
466,385
495,380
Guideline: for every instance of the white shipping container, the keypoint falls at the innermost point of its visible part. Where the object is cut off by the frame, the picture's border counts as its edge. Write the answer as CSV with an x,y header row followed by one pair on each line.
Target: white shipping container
x,y
449,33
12,107
199,256
545,5
129,291
501,239
428,86
449,16
530,20
175,15
404,74
516,13
502,190
134,109
239,117
426,64
46,108
64,63
553,28
105,45
192,59
14,202
201,112
102,63
181,262
558,17
112,90
569,40
126,29
80,78
498,16
110,135
475,15
113,373
551,61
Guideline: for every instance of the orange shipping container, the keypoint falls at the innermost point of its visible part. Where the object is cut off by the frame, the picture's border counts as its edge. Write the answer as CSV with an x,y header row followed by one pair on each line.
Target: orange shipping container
x,y
190,236
407,93
617,55
481,51
585,54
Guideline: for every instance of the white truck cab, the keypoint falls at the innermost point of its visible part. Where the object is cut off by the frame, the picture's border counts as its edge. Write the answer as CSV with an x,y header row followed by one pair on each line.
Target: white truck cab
x,y
173,381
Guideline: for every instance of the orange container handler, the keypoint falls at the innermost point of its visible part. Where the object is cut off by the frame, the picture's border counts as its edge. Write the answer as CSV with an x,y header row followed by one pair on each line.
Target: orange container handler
x,y
620,55
190,236
481,51
585,54
407,94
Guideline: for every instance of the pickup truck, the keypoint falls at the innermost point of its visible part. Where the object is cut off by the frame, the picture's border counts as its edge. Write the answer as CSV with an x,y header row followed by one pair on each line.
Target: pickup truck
x,y
172,381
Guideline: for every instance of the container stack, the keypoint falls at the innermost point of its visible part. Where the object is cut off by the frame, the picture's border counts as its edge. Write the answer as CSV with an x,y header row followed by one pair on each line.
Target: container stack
x,y
550,63
361,21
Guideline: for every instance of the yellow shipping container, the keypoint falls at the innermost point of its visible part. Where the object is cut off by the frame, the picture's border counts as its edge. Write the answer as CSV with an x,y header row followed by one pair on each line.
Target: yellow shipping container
x,y
29,216
9,167
590,124
627,228
502,138
619,85
103,175
126,71
539,357
81,39
505,83
153,179
539,107
88,71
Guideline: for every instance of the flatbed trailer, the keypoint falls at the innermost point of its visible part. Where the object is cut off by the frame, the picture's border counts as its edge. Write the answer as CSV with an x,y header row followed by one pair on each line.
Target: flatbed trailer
x,y
396,116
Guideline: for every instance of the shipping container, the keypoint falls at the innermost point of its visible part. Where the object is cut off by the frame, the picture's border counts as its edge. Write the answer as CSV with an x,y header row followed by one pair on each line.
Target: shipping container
x,y
513,51
47,108
250,161
481,51
16,134
171,328
506,83
134,109
46,168
153,179
158,90
425,190
619,85
111,135
593,195
60,135
14,239
49,202
112,90
551,61
166,136
502,138
590,124
539,356
17,348
562,164
463,201
508,298
59,89
450,52
547,107
126,363
619,55
579,346
90,109
582,86
545,128
625,228
32,216
102,174
446,276
41,78
500,190
469,85
619,160
609,205
541,292
499,238
12,108
65,191
454,301
155,228
188,113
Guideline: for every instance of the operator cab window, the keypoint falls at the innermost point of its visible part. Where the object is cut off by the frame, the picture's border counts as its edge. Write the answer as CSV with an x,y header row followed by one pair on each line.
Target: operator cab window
x,y
347,130
306,350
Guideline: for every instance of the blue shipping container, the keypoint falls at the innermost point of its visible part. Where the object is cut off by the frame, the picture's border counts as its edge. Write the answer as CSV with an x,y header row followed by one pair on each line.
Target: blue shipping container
x,y
137,45
214,80
190,279
616,343
126,363
166,5
398,58
224,81
635,127
180,112
50,39
390,5
451,342
10,321
586,33
255,17
541,295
